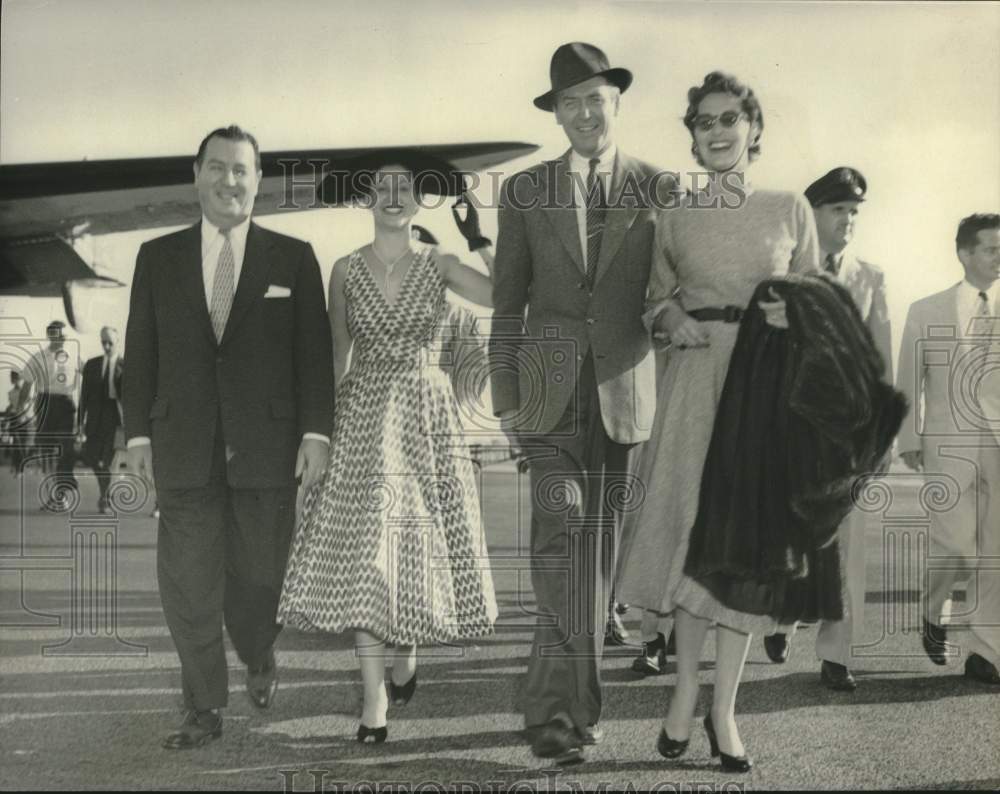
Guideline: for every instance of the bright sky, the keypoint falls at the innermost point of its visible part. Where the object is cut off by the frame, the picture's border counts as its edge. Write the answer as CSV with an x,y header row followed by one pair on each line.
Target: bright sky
x,y
909,93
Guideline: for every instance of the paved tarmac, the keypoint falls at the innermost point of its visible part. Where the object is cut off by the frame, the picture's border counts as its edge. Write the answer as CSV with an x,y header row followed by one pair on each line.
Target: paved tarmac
x,y
89,682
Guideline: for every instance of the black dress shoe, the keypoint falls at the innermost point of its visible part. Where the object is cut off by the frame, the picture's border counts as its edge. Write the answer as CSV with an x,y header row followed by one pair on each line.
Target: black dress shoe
x,y
198,729
377,735
777,647
671,748
615,633
981,669
559,742
400,695
730,763
262,682
592,734
652,660
934,640
837,677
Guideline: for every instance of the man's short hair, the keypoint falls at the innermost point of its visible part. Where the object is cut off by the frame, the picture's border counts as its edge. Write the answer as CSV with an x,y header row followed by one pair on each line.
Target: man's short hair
x,y
55,325
233,132
110,330
969,229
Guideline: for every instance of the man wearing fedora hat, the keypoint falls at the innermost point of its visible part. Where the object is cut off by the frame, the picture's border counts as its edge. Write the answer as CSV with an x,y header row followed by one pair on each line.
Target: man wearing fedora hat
x,y
573,378
836,198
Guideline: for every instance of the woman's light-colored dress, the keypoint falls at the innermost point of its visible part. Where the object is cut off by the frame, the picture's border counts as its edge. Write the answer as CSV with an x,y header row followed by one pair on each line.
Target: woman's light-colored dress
x,y
705,257
391,539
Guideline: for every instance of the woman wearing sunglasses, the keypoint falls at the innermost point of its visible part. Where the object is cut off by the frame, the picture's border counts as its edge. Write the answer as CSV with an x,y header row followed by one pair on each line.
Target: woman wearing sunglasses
x,y
709,255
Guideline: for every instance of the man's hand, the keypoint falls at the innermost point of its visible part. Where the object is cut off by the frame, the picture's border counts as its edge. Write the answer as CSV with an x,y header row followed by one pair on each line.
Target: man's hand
x,y
310,462
682,328
914,458
140,461
774,311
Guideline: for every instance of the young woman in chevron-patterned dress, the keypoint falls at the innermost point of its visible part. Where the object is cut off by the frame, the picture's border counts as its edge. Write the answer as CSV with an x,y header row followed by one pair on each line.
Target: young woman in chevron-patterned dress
x,y
391,543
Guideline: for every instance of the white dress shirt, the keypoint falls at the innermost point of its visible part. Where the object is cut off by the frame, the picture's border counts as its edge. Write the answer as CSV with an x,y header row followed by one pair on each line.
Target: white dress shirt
x,y
212,240
969,305
107,364
580,165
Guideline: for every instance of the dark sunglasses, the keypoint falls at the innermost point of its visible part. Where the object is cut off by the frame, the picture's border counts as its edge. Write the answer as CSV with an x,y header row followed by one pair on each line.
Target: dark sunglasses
x,y
730,118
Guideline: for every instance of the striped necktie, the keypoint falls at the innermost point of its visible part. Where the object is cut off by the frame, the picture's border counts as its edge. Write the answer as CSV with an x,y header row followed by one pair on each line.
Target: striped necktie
x,y
223,287
596,213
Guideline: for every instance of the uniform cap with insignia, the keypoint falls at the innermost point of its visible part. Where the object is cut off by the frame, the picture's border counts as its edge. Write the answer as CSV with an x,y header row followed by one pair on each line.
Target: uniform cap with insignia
x,y
840,184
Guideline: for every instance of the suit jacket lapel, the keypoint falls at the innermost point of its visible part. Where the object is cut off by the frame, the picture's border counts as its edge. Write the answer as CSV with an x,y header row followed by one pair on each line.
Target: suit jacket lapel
x,y
563,215
253,276
619,218
191,279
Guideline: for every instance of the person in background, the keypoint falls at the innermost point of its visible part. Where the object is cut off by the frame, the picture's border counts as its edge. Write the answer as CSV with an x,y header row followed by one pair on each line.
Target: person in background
x,y
17,421
957,435
836,199
100,411
53,375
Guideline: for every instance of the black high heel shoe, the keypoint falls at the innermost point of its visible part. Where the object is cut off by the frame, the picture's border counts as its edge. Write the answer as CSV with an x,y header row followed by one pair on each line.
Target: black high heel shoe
x,y
730,763
652,660
400,695
671,748
377,735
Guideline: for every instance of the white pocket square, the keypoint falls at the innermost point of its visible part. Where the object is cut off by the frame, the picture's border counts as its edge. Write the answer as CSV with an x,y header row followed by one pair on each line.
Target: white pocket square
x,y
277,291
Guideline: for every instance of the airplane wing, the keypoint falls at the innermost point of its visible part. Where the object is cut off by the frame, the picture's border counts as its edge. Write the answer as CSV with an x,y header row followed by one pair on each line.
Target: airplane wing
x,y
45,206
42,201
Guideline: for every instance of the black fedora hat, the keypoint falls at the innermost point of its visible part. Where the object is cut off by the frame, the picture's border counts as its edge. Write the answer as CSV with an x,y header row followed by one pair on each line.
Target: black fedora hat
x,y
349,181
576,62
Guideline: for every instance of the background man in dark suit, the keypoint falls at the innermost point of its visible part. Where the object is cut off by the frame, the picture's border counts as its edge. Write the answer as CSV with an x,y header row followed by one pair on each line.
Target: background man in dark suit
x,y
228,398
100,412
572,263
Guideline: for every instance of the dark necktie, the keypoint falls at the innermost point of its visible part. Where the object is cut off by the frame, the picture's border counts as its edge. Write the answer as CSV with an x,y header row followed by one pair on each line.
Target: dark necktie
x,y
831,264
596,213
983,310
107,378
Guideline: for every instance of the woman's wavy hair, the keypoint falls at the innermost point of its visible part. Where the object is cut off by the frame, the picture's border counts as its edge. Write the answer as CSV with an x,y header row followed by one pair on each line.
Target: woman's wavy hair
x,y
723,83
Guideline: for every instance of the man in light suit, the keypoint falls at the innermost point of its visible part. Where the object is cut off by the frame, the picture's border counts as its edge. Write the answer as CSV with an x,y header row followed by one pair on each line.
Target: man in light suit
x,y
228,398
100,414
953,432
836,199
573,378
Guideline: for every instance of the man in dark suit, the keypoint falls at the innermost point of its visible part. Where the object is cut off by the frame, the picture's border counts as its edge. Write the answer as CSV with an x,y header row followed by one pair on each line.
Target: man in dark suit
x,y
228,398
573,378
100,413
